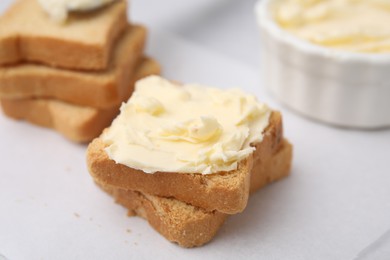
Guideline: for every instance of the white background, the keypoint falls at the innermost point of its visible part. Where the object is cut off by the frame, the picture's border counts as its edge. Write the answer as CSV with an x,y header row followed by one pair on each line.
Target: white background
x,y
334,206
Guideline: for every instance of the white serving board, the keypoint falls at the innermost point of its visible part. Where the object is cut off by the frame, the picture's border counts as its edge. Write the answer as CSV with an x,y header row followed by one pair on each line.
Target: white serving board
x,y
335,205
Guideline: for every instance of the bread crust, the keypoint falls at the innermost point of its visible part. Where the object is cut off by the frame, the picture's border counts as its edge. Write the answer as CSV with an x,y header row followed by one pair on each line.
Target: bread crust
x,y
191,226
226,192
96,89
28,34
77,123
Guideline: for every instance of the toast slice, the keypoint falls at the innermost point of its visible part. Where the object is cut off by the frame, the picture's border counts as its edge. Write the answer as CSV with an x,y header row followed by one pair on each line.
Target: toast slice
x,y
27,33
226,192
191,226
96,89
78,123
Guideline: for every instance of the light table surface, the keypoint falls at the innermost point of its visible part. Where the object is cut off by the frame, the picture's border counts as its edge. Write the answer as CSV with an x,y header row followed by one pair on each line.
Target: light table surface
x,y
335,205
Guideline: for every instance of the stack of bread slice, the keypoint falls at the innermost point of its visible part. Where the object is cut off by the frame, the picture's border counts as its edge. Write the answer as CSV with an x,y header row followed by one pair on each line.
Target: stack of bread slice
x,y
73,76
189,208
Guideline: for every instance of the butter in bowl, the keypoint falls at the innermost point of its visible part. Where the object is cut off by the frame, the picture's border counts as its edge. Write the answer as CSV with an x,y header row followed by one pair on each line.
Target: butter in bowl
x,y
328,59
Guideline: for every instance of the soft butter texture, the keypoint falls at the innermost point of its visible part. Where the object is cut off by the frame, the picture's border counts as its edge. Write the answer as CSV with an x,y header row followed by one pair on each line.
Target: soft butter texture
x,y
166,127
352,25
58,9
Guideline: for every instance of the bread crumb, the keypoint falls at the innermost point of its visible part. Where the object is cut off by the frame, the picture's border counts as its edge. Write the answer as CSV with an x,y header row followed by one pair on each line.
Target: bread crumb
x,y
76,215
128,230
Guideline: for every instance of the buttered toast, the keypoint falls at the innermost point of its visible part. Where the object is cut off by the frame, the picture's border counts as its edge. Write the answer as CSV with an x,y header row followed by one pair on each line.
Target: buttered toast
x,y
226,192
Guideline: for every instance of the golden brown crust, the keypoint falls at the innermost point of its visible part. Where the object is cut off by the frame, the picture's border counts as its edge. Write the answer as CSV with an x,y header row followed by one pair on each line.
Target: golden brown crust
x,y
191,226
28,34
96,89
78,123
226,192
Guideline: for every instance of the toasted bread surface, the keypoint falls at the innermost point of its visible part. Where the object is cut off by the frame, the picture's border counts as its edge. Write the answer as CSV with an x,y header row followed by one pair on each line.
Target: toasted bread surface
x,y
191,226
77,123
27,33
96,89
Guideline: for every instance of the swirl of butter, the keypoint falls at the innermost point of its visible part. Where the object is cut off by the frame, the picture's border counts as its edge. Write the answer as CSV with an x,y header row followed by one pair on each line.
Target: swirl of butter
x,y
352,25
147,105
197,130
186,129
58,9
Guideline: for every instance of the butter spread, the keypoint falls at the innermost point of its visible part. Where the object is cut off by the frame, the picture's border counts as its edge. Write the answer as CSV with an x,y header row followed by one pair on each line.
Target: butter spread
x,y
352,25
58,9
187,129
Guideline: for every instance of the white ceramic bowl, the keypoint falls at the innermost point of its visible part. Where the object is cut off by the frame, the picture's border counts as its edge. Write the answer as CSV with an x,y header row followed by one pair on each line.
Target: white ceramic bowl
x,y
333,86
